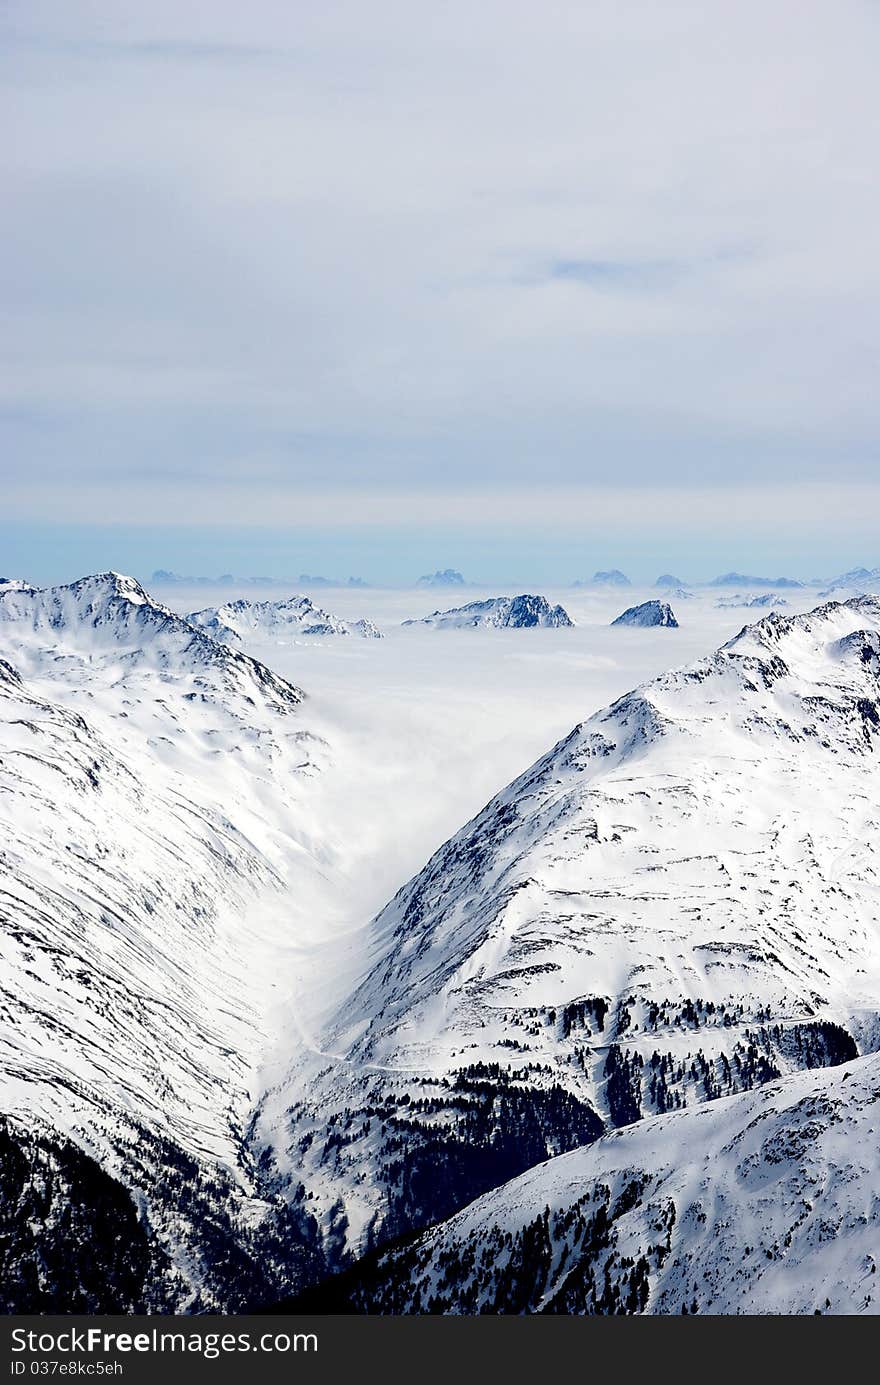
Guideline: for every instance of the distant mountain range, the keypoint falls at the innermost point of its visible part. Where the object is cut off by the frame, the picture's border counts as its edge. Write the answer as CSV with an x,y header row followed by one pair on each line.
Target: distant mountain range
x,y
738,579
851,582
162,577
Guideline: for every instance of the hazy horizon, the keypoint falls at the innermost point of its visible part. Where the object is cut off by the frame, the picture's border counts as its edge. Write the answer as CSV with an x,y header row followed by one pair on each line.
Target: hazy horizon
x,y
46,563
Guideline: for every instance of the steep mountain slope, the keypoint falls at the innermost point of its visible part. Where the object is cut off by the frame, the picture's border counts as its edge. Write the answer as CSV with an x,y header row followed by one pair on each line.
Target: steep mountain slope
x,y
158,864
766,1202
678,902
499,612
296,616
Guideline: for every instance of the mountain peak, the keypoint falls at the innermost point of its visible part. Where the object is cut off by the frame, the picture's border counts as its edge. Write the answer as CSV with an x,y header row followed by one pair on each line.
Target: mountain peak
x,y
447,577
510,612
650,613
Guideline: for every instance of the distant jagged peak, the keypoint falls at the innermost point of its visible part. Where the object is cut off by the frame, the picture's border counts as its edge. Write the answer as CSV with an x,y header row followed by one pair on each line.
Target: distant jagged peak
x,y
610,577
445,577
497,612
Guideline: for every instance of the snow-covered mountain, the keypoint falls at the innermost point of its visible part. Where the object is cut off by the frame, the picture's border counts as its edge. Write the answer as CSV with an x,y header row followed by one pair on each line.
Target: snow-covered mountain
x,y
636,988
108,621
294,617
647,614
14,584
677,903
666,579
766,1202
508,612
160,864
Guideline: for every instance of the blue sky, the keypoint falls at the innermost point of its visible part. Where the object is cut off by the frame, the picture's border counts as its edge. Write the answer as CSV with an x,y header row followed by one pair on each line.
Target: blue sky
x,y
528,290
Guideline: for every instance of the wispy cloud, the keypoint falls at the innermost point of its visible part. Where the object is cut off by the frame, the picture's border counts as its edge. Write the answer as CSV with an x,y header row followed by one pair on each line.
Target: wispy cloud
x,y
620,275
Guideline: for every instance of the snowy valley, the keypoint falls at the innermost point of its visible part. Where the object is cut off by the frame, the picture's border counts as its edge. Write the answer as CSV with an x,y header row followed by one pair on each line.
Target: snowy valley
x,y
662,935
